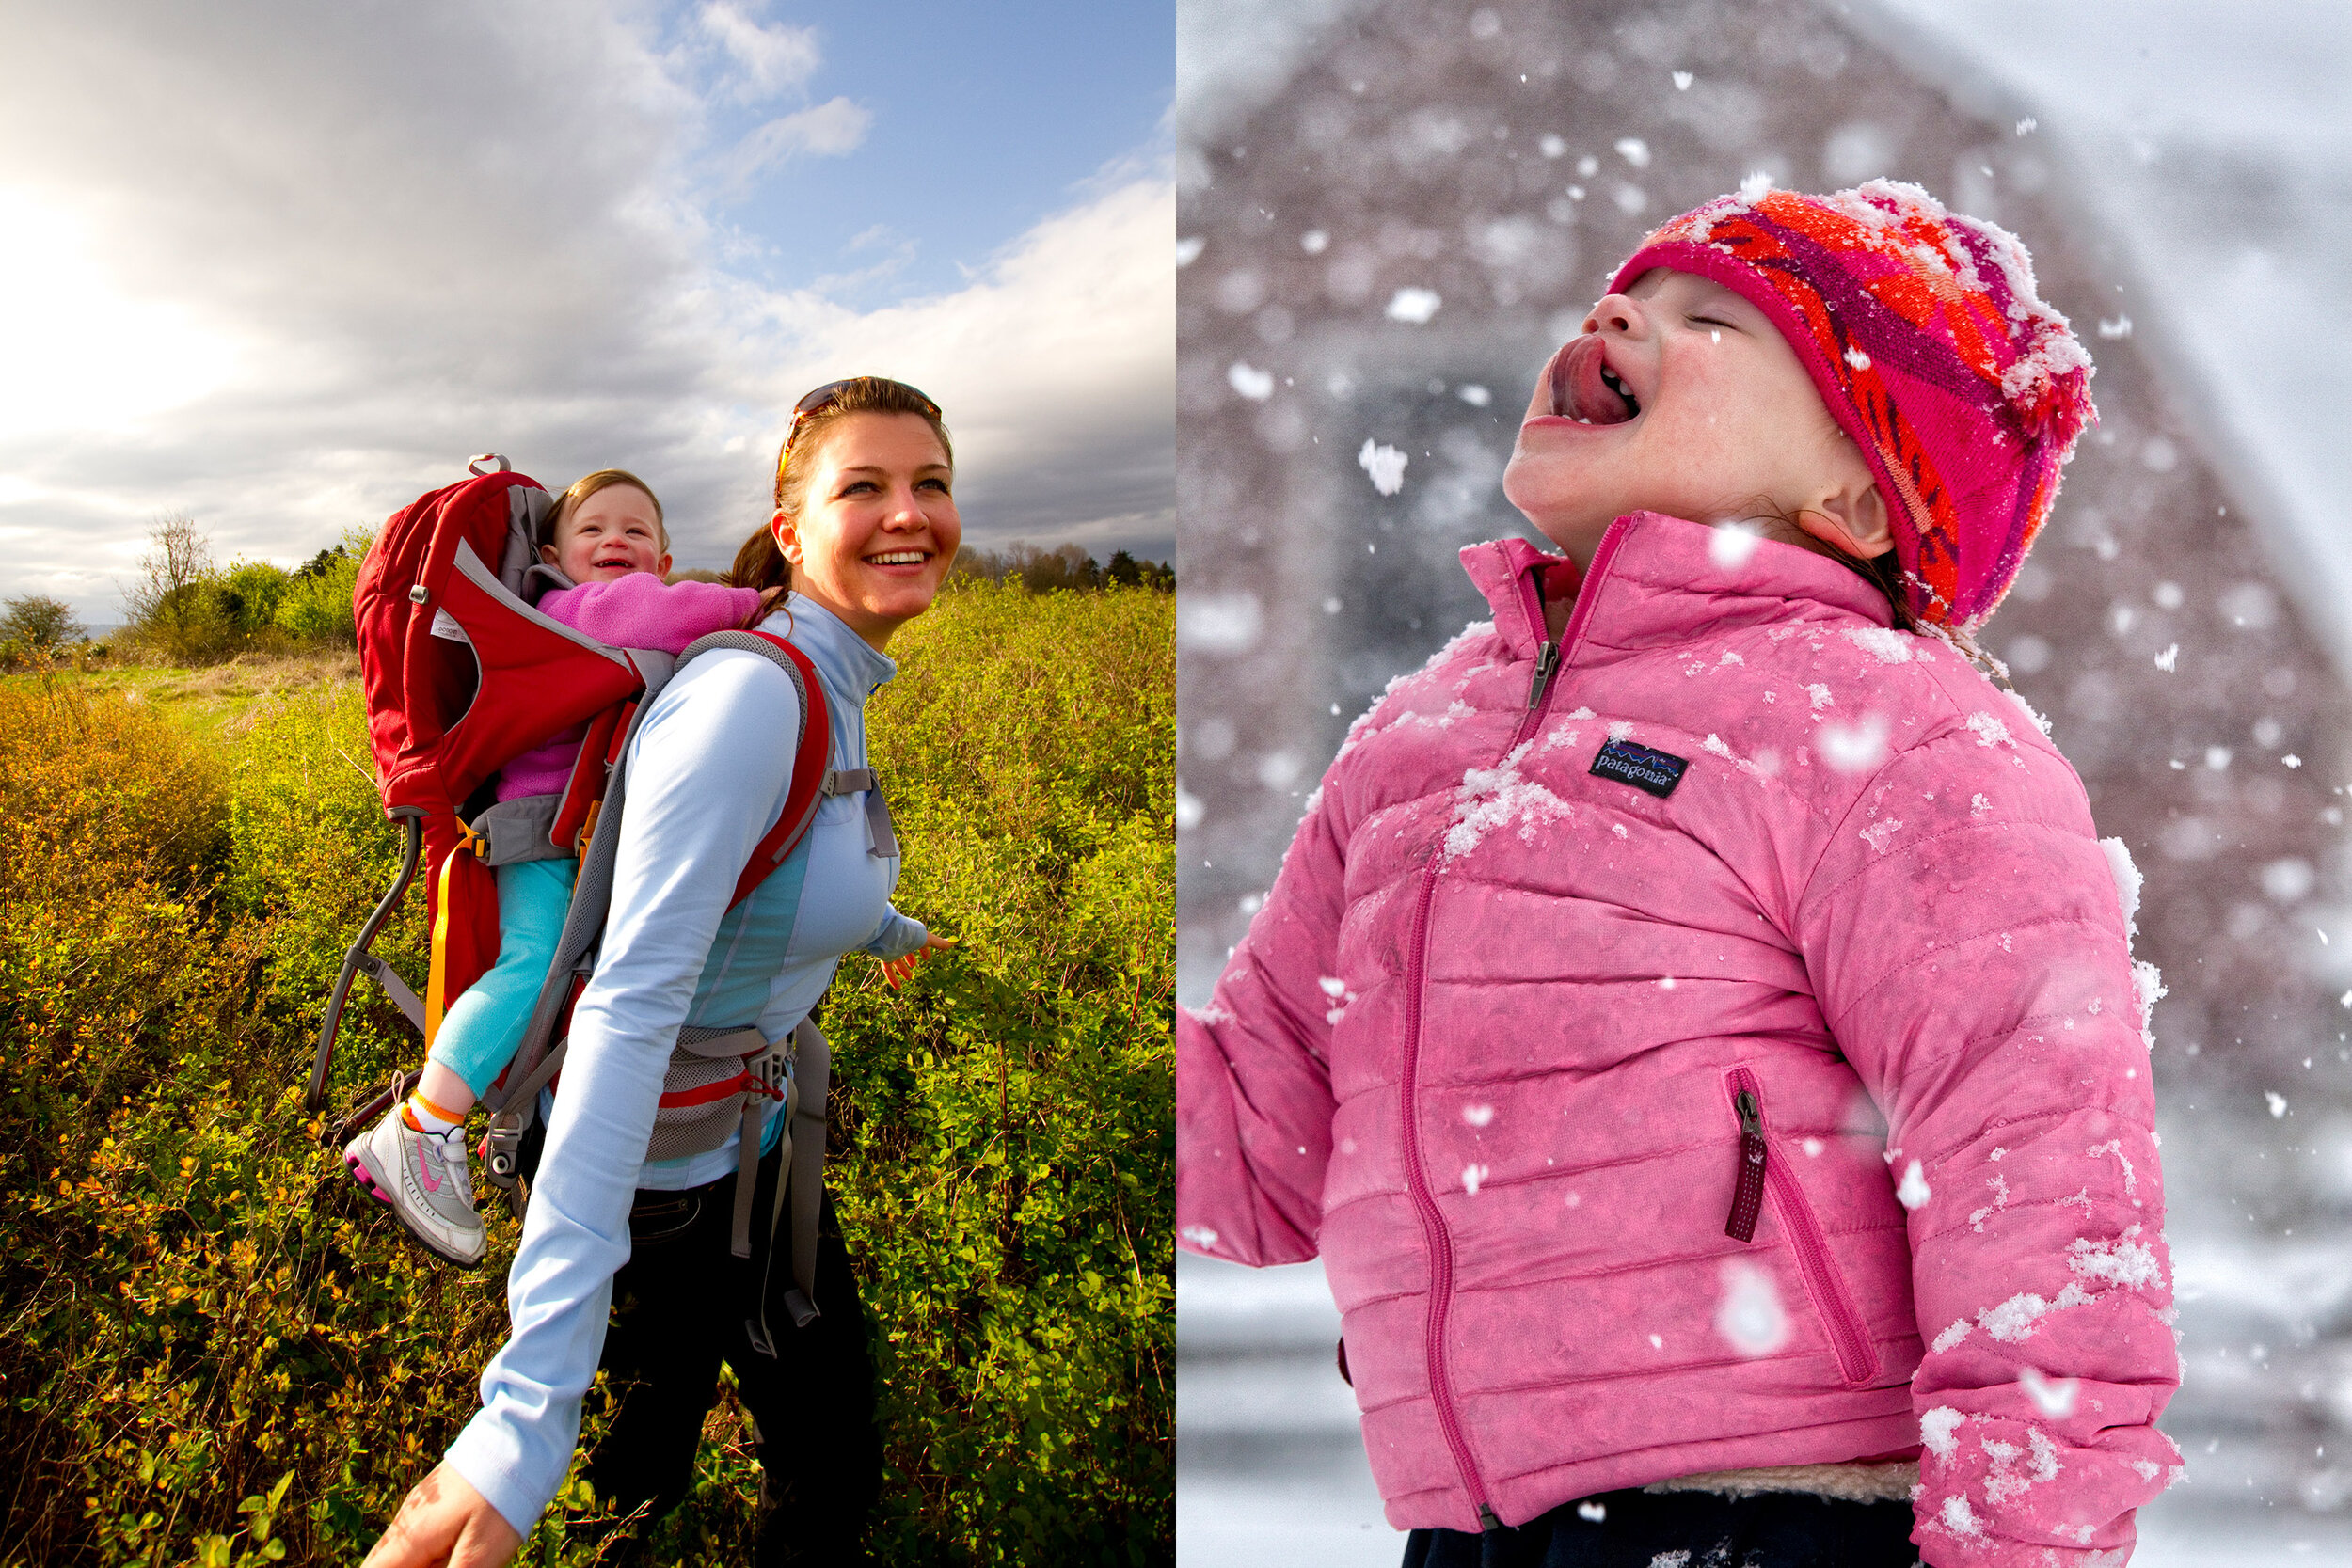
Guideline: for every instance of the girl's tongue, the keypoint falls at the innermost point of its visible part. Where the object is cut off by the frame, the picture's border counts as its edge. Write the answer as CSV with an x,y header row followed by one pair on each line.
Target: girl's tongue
x,y
1578,391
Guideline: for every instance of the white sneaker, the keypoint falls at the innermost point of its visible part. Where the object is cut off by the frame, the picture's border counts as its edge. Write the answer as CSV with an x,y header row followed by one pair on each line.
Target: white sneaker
x,y
424,1176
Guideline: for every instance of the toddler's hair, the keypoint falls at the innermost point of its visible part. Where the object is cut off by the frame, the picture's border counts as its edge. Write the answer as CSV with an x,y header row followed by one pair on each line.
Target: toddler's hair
x,y
604,478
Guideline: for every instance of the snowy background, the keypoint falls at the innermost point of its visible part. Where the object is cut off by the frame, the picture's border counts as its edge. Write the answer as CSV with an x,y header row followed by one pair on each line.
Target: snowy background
x,y
1391,211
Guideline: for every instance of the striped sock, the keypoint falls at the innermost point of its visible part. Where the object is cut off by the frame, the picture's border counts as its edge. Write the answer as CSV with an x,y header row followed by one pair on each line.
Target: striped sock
x,y
422,1115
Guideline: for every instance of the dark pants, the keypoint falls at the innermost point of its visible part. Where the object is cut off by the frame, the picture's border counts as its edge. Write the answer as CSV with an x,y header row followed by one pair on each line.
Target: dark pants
x,y
679,1309
1770,1529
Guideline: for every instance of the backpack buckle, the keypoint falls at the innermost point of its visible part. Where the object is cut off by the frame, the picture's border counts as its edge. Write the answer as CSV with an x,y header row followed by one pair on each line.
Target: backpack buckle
x,y
478,843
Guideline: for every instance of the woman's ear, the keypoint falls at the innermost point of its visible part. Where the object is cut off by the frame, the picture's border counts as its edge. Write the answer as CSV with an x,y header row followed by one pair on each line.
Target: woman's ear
x,y
1850,520
788,537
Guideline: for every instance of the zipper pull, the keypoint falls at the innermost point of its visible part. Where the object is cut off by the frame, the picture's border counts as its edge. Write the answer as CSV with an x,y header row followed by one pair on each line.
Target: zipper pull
x,y
1488,1519
1546,661
1747,1201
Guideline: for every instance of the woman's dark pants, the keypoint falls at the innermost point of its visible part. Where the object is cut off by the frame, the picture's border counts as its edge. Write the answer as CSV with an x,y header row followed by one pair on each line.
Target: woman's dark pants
x,y
1637,1529
680,1306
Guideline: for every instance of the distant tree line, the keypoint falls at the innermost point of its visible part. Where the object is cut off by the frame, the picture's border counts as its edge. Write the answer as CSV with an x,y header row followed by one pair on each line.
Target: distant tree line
x,y
181,605
1063,566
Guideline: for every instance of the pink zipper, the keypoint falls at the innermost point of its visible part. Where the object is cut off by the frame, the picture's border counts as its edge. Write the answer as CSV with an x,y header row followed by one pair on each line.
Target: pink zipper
x,y
1857,1357
1548,659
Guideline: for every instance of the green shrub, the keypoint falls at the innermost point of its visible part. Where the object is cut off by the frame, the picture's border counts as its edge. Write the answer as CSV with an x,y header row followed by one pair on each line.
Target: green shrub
x,y
212,1343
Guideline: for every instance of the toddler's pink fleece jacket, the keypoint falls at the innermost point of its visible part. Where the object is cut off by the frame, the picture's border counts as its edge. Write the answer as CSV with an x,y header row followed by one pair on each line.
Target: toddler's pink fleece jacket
x,y
1484,1050
639,610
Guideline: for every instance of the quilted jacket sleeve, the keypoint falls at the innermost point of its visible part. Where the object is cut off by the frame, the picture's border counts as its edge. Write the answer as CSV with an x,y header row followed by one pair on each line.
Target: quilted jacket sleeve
x,y
1253,1082
1967,942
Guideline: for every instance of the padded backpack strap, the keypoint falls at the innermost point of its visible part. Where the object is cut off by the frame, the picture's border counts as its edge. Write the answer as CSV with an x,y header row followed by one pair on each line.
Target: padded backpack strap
x,y
809,757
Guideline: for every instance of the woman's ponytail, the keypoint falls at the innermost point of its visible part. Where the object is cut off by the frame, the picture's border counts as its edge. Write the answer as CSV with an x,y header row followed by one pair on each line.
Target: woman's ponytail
x,y
760,564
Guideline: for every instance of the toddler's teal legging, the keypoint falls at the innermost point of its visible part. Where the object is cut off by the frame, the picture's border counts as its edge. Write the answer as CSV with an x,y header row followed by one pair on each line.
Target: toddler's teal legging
x,y
484,1028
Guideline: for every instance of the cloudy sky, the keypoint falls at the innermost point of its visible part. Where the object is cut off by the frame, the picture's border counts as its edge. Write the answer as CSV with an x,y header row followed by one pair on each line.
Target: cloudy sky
x,y
282,267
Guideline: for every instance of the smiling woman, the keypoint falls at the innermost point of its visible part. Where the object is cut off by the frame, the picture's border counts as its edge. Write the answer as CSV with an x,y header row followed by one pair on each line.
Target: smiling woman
x,y
866,520
864,530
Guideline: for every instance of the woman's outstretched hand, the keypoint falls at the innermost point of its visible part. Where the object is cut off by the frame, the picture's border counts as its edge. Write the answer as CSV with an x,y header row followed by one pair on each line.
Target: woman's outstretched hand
x,y
443,1520
896,970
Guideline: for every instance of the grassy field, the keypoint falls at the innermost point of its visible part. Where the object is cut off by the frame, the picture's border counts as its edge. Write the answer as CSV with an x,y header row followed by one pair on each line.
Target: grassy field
x,y
211,1353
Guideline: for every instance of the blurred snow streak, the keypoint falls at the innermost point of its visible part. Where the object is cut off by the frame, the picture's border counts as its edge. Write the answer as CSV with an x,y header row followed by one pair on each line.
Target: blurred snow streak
x,y
2180,184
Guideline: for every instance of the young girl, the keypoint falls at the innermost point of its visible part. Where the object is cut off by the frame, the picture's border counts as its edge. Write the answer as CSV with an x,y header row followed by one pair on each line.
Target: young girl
x,y
609,542
1694,1022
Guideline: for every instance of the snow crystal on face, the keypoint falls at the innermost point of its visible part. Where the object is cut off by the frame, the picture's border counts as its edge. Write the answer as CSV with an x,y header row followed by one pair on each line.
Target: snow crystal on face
x,y
1884,643
1960,1519
1384,463
1990,731
1471,1177
1199,1235
1820,693
1730,545
1939,1431
1854,748
1478,1116
1951,1337
1750,1316
2052,1396
1877,834
1332,984
1914,1192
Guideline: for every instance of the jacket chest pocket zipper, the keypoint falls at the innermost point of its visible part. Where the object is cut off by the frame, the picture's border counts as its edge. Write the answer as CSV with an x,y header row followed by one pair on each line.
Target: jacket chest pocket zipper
x,y
1759,1173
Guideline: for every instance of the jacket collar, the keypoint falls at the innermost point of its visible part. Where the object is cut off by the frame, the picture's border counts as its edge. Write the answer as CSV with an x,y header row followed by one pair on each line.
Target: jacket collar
x,y
1655,581
848,662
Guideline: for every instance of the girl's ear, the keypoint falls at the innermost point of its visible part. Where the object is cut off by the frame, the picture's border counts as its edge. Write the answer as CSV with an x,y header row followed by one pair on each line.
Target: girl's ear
x,y
546,554
1851,521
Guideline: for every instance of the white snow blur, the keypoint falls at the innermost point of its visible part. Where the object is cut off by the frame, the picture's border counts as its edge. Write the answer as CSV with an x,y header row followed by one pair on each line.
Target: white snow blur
x,y
1385,464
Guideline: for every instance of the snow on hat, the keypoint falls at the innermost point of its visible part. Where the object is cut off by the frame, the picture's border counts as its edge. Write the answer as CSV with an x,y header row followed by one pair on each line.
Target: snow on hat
x,y
1924,334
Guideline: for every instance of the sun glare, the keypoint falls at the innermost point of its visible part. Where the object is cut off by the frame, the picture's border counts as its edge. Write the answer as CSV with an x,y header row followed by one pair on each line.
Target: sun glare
x,y
81,352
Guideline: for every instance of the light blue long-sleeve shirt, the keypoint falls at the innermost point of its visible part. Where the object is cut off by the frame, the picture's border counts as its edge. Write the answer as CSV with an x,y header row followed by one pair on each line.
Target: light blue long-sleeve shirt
x,y
708,774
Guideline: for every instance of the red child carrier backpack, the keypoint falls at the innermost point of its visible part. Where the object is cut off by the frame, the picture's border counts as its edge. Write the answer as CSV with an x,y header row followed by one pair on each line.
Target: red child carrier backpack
x,y
462,676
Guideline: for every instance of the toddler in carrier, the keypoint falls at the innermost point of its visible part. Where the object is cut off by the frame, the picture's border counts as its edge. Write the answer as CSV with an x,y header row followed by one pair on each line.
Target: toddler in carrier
x,y
1694,1022
610,543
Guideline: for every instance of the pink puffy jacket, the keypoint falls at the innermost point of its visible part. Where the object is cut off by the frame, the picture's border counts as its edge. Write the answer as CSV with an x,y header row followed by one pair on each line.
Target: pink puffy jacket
x,y
1615,1001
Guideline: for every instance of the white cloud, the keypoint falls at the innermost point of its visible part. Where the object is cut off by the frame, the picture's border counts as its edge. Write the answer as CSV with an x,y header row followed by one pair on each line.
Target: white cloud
x,y
827,130
322,267
772,60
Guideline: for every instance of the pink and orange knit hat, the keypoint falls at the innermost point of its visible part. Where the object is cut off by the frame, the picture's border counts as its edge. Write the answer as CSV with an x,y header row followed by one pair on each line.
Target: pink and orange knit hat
x,y
1924,334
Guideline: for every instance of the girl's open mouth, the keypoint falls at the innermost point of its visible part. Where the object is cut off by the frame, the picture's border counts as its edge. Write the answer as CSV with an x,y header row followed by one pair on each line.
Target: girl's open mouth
x,y
1584,388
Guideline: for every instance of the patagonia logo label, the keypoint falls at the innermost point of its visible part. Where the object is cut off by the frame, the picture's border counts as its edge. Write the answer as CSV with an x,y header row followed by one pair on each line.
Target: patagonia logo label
x,y
1641,767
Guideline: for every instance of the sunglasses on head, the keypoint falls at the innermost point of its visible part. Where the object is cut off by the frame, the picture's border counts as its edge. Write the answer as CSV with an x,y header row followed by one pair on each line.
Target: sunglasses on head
x,y
825,397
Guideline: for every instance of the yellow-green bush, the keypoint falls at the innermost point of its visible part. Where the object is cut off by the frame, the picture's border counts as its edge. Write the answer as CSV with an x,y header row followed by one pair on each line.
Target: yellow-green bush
x,y
209,1345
